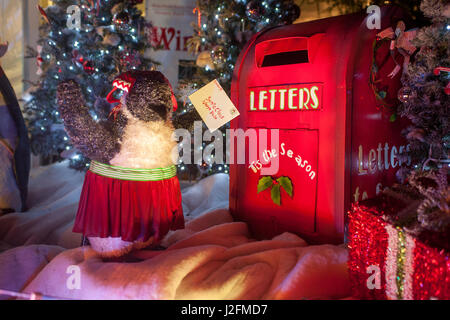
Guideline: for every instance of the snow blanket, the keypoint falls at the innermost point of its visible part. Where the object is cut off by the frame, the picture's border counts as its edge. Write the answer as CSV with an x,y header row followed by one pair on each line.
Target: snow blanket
x,y
54,192
214,257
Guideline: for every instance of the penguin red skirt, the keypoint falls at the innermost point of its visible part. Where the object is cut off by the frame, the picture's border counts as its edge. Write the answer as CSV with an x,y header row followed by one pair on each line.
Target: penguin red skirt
x,y
133,204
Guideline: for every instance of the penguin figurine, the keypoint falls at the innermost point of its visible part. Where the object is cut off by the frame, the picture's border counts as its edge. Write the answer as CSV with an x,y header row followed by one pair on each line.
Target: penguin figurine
x,y
131,195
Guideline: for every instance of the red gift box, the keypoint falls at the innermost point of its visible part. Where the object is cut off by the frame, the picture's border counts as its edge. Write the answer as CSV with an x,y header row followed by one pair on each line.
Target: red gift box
x,y
385,262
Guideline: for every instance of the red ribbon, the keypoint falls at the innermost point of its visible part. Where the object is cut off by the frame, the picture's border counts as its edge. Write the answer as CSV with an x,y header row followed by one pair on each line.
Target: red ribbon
x,y
113,100
43,14
97,5
199,18
437,71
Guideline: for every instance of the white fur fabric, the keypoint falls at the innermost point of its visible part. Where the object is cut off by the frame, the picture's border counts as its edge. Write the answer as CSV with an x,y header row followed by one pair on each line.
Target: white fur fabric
x,y
20,265
146,145
215,259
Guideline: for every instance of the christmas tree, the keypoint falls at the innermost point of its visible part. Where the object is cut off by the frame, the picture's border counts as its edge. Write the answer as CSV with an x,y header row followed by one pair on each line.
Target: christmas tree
x,y
222,29
426,103
91,42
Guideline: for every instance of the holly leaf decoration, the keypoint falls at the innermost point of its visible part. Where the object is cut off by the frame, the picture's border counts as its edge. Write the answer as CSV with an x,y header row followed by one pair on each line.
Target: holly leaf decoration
x,y
275,194
393,117
264,183
267,182
286,184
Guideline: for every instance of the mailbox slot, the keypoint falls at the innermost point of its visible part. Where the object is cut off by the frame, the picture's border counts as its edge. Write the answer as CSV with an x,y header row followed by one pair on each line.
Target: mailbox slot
x,y
286,51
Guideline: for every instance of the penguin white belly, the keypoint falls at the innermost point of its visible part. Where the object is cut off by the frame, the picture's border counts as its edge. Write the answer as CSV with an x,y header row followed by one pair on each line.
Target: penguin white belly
x,y
146,145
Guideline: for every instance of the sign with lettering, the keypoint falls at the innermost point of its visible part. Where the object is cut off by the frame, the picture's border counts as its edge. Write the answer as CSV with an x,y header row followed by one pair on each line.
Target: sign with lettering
x,y
213,105
293,97
171,29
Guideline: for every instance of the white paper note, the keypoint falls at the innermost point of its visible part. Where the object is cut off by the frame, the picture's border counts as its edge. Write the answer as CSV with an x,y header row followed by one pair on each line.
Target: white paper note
x,y
213,105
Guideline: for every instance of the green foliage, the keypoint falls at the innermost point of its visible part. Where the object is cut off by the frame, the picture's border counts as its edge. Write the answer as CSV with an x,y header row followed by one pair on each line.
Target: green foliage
x,y
275,194
264,183
267,182
428,105
286,183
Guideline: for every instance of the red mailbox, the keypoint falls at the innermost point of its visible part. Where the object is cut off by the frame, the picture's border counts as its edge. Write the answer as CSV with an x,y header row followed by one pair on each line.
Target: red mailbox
x,y
336,145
